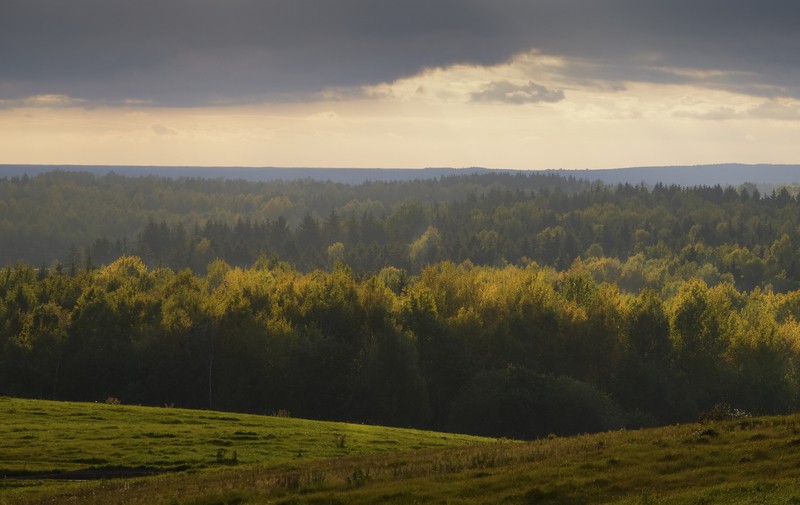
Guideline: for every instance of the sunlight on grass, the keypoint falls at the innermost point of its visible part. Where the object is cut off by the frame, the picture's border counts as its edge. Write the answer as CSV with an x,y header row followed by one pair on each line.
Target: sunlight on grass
x,y
227,458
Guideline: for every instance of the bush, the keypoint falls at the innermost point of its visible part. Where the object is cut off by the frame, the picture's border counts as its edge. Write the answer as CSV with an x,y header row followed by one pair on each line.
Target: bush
x,y
517,403
723,412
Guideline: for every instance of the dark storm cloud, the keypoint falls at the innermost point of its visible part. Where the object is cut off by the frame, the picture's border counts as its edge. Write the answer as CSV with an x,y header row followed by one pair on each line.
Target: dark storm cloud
x,y
184,52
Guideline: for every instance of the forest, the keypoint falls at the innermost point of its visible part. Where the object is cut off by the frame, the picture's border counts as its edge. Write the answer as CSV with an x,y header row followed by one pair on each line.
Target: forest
x,y
514,305
634,236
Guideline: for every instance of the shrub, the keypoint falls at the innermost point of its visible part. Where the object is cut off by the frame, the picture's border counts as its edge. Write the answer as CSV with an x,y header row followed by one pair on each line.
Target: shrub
x,y
723,412
358,478
517,403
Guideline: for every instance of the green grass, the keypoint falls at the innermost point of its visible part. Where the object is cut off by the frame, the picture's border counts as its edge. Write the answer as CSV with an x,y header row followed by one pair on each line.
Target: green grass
x,y
290,461
43,436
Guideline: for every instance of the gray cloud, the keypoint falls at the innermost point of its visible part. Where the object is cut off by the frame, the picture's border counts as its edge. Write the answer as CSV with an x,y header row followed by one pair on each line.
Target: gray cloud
x,y
776,110
717,114
161,130
187,52
507,92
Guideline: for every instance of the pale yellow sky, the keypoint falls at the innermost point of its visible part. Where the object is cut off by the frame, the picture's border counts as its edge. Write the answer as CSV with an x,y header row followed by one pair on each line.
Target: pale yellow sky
x,y
526,113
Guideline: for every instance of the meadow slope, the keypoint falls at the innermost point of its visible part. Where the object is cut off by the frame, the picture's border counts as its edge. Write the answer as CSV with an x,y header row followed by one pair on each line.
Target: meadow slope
x,y
282,460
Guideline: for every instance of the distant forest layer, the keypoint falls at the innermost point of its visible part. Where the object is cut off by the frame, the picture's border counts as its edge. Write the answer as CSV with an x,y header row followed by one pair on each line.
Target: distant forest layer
x,y
631,235
499,304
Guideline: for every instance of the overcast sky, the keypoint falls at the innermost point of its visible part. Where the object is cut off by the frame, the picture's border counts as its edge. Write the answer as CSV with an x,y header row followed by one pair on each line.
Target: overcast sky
x,y
411,83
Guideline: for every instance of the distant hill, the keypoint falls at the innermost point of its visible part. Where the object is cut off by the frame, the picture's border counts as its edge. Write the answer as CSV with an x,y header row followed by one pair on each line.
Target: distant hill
x,y
699,175
258,174
730,174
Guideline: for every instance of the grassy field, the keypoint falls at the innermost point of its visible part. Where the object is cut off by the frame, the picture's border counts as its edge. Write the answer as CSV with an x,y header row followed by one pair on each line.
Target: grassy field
x,y
291,461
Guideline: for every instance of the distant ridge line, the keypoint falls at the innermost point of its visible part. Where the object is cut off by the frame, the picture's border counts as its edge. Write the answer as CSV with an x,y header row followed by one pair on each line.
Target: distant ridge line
x,y
733,174
255,174
725,174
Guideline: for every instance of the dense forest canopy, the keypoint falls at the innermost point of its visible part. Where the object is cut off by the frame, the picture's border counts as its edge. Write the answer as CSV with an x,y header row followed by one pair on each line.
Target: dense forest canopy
x,y
513,351
635,236
502,304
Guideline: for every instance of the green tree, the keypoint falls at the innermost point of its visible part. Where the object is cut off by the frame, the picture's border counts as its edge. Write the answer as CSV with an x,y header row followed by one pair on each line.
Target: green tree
x,y
699,332
645,380
427,248
764,356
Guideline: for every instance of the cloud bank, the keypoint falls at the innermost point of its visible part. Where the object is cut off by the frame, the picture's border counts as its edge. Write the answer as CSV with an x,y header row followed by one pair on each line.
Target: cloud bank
x,y
206,52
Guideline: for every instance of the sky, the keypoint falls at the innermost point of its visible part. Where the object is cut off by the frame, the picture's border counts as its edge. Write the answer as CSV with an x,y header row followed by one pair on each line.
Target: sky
x,y
517,84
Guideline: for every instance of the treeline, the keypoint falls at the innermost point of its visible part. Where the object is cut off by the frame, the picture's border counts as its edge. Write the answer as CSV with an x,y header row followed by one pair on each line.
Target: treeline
x,y
507,351
633,236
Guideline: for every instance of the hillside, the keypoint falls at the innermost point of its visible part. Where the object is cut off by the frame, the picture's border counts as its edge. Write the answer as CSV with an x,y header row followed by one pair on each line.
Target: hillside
x,y
45,441
737,460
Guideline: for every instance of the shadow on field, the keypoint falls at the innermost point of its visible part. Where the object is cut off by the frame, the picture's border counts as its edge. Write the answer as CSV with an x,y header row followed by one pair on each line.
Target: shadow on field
x,y
98,473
